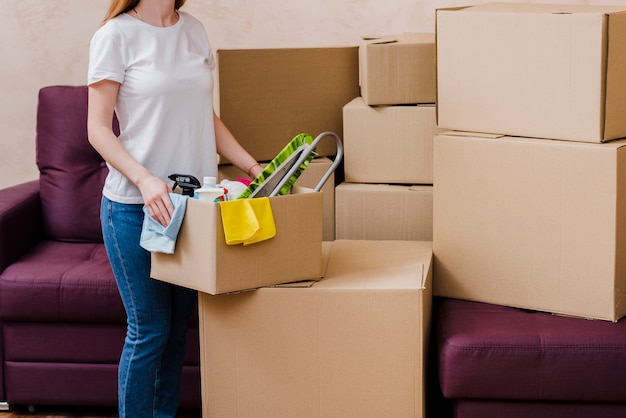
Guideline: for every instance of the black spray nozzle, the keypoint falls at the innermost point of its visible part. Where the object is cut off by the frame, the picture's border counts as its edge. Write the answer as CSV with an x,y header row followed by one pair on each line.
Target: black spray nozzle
x,y
186,182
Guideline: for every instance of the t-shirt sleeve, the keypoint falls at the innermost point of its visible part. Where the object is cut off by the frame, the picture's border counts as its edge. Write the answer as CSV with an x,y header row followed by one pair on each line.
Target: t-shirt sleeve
x,y
105,59
201,39
211,59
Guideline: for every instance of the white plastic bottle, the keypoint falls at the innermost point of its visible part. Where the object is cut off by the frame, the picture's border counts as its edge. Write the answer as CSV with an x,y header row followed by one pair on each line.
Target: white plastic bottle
x,y
210,191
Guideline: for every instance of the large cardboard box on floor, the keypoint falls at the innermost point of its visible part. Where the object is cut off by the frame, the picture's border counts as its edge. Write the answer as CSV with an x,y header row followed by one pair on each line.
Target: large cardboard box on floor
x,y
268,96
398,69
538,70
203,261
531,223
384,212
309,178
388,144
352,344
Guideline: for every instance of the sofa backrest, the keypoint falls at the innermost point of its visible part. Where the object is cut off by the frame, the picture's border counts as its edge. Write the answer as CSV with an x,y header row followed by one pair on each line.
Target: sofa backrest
x,y
71,172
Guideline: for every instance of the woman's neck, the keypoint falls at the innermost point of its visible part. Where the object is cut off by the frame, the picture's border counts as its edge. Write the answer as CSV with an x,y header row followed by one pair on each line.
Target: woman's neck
x,y
159,13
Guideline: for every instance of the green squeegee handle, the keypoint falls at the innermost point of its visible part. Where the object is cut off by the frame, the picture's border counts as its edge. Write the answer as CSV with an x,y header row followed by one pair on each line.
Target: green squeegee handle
x,y
304,155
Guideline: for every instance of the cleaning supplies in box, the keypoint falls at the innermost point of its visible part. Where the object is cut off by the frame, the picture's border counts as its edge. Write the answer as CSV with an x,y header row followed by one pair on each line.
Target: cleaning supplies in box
x,y
278,177
282,172
210,191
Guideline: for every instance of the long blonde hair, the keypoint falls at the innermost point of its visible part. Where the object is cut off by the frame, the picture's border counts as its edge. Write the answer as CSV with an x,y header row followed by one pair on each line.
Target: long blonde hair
x,y
117,7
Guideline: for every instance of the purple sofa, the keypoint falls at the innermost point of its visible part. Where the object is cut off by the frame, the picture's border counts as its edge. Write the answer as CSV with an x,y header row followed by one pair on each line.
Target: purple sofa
x,y
62,320
496,362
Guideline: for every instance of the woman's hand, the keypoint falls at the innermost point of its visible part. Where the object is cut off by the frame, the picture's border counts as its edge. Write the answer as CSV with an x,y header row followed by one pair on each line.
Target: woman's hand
x,y
156,197
255,170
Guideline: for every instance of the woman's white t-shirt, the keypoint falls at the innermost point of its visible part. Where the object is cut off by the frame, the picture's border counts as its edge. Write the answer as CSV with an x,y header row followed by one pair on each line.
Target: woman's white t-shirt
x,y
165,100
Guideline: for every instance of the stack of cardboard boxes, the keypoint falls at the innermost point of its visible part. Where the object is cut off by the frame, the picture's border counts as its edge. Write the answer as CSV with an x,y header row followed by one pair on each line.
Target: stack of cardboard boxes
x,y
388,142
530,185
524,197
336,328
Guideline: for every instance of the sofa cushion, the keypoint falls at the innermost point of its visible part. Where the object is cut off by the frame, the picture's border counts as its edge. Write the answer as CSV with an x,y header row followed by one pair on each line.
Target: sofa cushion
x,y
489,408
80,384
75,343
496,352
61,282
72,173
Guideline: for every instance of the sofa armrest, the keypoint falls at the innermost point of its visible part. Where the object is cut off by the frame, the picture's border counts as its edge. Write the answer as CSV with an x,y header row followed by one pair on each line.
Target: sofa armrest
x,y
20,210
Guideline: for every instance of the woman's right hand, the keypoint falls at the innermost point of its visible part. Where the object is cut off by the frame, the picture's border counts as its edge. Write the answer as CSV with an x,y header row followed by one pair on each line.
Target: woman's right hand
x,y
156,197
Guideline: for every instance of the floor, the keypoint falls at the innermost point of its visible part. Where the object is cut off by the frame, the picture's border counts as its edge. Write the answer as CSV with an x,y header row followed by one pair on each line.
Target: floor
x,y
67,412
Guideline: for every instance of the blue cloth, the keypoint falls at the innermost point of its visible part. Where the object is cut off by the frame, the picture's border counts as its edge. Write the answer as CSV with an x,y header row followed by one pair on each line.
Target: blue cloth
x,y
162,239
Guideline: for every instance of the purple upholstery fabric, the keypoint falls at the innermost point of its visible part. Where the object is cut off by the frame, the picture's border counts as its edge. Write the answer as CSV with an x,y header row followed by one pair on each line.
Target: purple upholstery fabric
x,y
495,352
80,384
64,342
19,221
501,409
71,172
75,343
61,282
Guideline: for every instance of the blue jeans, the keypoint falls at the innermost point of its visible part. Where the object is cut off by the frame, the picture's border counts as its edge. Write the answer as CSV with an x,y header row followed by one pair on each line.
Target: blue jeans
x,y
158,316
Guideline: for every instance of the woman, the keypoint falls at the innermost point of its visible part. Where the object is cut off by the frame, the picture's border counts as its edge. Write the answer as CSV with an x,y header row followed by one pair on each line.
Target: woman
x,y
151,63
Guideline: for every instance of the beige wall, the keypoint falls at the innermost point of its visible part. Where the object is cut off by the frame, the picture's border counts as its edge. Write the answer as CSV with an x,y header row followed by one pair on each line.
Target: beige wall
x,y
45,42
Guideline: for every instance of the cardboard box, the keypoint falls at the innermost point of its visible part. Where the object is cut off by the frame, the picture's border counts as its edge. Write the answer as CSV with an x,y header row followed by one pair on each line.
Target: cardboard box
x,y
350,345
388,144
398,69
384,212
203,261
537,70
268,96
309,178
531,223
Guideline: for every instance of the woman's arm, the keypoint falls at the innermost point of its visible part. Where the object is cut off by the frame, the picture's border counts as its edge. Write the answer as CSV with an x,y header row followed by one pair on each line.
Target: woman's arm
x,y
102,98
229,148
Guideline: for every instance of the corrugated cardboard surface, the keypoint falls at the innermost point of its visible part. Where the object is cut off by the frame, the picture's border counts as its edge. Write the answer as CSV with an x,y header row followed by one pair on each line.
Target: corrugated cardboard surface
x,y
203,261
531,223
398,69
388,144
384,212
309,178
268,96
547,71
351,345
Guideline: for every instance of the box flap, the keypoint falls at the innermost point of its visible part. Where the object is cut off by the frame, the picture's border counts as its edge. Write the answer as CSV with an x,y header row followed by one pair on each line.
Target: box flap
x,y
268,96
543,8
472,134
406,37
420,188
379,40
615,122
615,144
373,264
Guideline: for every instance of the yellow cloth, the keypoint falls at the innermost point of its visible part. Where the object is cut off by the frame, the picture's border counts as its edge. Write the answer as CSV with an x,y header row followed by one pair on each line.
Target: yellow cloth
x,y
247,221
